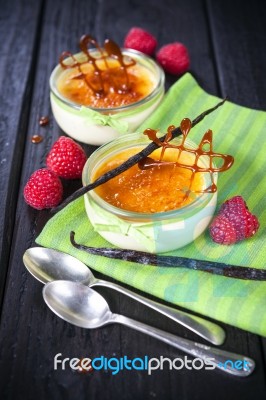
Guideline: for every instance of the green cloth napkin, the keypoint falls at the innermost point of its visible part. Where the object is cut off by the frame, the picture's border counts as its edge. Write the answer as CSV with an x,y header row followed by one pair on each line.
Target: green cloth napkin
x,y
238,131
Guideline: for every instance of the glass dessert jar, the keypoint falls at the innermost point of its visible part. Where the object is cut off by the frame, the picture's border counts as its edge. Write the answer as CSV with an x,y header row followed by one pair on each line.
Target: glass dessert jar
x,y
98,125
153,232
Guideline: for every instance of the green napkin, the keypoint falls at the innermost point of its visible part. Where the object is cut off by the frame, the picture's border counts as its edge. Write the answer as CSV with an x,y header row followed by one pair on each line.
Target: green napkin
x,y
238,131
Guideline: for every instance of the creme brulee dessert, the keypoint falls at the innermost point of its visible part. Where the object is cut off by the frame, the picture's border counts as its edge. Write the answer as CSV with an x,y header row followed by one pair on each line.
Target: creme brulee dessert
x,y
101,93
162,188
155,209
140,84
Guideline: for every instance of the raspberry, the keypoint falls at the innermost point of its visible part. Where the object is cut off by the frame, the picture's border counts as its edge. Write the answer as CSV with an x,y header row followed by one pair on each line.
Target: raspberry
x,y
252,224
235,210
66,158
174,58
234,222
141,40
222,231
43,189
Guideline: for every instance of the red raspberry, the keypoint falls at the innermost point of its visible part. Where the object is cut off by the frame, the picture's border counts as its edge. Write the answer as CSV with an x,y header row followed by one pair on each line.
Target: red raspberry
x,y
252,224
66,158
43,189
141,40
238,219
222,231
174,58
235,210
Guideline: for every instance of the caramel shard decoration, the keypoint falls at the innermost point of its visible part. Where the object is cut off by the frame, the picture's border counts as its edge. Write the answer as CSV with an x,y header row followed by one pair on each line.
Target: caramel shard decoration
x,y
205,149
110,50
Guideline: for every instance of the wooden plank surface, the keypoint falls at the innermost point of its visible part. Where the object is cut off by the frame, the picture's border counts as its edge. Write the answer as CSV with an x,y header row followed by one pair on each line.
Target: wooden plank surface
x,y
239,36
30,334
240,55
18,52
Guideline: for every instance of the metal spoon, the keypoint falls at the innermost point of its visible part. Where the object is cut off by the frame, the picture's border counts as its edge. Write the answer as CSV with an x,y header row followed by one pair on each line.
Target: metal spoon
x,y
83,307
48,265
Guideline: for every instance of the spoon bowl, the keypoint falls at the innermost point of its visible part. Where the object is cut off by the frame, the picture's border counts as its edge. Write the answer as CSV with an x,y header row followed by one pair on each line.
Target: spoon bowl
x,y
77,304
47,265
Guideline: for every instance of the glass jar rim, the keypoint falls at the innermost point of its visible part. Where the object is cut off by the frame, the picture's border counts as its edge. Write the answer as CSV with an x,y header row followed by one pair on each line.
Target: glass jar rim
x,y
197,204
128,52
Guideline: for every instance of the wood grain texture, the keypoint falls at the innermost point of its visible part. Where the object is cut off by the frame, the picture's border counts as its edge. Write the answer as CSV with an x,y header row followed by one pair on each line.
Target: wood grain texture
x,y
239,55
17,64
239,36
30,334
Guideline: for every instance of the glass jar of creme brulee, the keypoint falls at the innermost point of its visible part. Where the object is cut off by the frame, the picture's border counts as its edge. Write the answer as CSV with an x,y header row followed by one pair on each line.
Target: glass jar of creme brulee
x,y
155,210
96,118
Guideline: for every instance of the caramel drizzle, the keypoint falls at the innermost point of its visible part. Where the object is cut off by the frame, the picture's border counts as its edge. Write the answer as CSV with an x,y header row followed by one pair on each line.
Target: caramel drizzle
x,y
200,151
109,50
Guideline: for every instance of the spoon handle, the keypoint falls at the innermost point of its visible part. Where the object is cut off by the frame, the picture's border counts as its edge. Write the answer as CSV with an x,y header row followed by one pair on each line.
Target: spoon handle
x,y
231,363
206,329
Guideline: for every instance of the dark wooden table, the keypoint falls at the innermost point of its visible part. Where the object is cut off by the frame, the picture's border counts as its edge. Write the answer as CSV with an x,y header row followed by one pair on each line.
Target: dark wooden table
x,y
227,43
